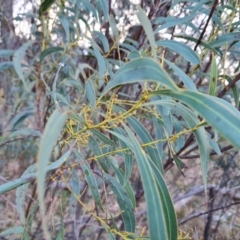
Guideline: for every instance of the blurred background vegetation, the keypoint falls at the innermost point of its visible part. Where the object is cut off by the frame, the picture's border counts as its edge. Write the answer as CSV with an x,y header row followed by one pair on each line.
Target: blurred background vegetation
x,y
60,54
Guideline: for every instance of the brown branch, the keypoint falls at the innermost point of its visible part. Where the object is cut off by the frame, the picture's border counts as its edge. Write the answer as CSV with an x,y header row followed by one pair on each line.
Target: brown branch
x,y
204,29
210,213
16,139
231,84
169,162
224,149
207,212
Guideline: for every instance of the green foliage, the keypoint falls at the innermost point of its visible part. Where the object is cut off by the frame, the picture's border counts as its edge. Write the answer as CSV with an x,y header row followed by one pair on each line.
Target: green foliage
x,y
94,104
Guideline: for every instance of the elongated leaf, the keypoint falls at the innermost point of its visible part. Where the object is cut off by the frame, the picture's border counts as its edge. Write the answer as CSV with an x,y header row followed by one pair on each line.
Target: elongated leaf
x,y
215,18
59,162
140,69
167,204
166,116
114,28
65,23
192,121
166,22
123,201
181,49
156,216
145,138
128,163
25,132
53,128
30,217
126,184
134,54
202,43
17,59
5,65
215,146
213,77
75,183
97,151
90,91
217,112
202,10
199,6
194,27
159,135
147,26
121,137
59,98
16,183
6,52
178,128
188,82
105,8
224,39
102,137
19,118
89,178
127,47
103,40
131,41
30,177
99,57
21,194
180,164
11,231
50,50
87,5
71,83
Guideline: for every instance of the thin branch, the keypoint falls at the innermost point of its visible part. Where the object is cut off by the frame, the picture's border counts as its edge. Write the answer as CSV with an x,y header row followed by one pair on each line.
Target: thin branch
x,y
205,28
195,215
224,149
16,139
231,84
210,213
